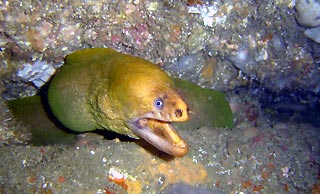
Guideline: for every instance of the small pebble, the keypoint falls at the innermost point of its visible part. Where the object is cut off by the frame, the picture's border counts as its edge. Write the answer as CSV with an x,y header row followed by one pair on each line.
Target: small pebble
x,y
250,132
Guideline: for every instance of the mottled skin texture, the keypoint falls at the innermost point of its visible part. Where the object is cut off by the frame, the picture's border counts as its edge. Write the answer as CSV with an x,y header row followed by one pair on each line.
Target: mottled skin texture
x,y
104,89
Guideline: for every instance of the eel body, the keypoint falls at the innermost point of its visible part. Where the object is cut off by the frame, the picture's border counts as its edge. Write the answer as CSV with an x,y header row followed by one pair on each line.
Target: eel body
x,y
100,88
104,89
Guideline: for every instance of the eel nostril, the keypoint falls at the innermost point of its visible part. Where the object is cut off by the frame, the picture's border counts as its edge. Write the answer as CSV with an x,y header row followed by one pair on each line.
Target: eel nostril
x,y
178,113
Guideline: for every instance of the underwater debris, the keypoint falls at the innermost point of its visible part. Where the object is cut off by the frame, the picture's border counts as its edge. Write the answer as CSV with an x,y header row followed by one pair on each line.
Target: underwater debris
x,y
116,176
38,73
313,34
207,13
309,15
285,171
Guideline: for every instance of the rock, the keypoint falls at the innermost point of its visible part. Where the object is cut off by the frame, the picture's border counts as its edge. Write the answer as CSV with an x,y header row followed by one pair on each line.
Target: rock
x,y
308,13
313,34
249,132
181,188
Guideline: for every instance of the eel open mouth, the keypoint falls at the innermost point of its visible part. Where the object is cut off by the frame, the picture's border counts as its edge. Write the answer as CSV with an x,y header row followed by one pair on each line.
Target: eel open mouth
x,y
161,135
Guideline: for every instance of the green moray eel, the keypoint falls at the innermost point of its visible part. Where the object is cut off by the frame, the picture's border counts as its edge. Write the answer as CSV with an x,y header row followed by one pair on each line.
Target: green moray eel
x,y
103,89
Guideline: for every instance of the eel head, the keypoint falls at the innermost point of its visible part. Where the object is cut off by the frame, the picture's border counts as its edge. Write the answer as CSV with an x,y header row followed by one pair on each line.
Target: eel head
x,y
149,104
155,126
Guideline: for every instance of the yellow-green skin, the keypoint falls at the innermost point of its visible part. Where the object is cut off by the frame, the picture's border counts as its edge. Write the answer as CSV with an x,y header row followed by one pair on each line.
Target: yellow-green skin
x,y
103,89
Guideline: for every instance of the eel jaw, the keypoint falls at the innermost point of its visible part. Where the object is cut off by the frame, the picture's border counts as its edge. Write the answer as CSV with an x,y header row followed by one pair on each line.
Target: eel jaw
x,y
161,135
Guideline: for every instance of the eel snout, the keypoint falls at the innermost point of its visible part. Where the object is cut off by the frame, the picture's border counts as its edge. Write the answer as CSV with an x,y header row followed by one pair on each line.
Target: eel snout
x,y
161,135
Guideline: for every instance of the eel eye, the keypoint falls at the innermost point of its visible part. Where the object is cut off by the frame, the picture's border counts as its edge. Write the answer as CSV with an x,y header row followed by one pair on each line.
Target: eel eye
x,y
158,103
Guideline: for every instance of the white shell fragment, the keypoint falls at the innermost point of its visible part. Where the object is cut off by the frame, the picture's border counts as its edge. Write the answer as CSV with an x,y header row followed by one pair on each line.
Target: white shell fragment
x,y
38,73
207,13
